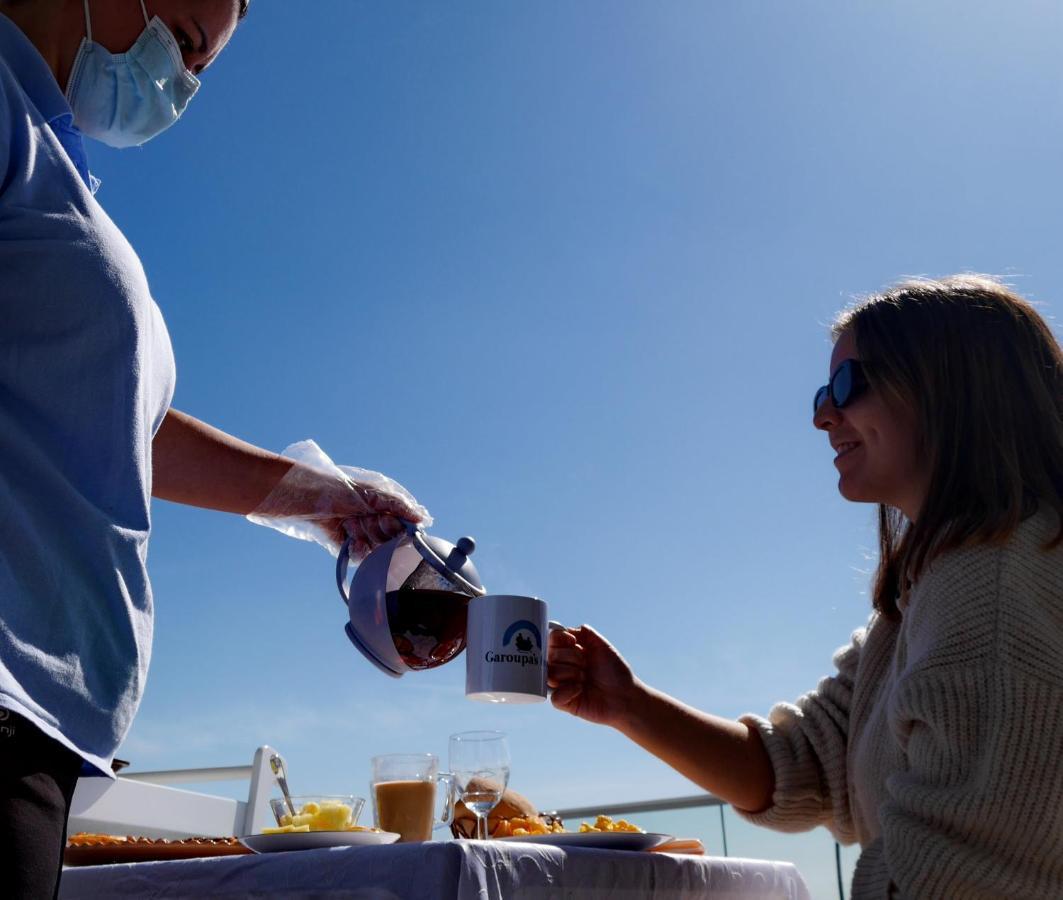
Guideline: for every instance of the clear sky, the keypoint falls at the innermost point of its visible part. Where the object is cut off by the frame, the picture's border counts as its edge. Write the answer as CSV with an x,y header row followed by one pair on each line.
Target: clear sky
x,y
564,270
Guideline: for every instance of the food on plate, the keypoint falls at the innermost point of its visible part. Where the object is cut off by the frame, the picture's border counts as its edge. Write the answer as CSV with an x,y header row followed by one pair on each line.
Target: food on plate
x,y
326,815
523,826
605,823
514,816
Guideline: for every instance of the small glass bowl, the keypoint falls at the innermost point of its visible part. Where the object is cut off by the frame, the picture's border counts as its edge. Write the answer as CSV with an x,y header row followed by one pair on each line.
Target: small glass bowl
x,y
326,820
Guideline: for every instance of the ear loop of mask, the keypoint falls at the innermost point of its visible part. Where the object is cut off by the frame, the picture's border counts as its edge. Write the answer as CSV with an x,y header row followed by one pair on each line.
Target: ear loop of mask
x,y
88,18
88,22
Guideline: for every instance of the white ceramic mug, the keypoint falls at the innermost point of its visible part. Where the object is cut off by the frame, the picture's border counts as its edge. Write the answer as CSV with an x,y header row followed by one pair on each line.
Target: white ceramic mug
x,y
505,655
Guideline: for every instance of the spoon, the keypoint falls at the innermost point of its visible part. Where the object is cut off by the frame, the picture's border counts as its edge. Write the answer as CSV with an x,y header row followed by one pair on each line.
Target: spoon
x,y
277,765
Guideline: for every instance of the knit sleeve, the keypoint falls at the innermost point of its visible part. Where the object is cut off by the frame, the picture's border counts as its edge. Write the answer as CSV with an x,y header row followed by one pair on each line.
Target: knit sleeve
x,y
977,813
806,742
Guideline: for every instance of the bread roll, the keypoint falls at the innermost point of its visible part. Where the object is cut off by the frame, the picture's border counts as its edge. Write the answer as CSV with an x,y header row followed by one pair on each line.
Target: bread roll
x,y
511,806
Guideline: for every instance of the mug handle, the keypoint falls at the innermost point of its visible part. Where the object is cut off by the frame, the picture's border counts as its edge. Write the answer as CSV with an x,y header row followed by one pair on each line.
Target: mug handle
x,y
450,794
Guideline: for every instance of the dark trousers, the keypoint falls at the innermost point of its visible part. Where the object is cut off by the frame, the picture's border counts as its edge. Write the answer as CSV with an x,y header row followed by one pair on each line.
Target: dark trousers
x,y
37,780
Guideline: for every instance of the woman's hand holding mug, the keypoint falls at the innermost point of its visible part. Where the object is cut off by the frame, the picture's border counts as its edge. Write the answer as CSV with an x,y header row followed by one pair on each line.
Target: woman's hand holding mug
x,y
588,676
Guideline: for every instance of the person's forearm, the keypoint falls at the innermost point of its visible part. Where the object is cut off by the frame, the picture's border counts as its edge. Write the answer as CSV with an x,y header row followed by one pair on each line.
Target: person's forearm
x,y
725,757
197,464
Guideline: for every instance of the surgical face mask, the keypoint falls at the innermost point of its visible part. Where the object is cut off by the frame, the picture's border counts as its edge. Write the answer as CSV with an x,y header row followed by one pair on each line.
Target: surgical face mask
x,y
125,99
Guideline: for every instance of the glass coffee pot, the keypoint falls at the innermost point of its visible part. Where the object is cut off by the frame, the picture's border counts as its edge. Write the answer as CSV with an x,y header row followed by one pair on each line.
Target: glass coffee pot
x,y
407,600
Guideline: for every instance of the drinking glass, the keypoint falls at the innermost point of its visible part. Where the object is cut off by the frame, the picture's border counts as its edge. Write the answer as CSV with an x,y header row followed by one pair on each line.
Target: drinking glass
x,y
479,762
403,788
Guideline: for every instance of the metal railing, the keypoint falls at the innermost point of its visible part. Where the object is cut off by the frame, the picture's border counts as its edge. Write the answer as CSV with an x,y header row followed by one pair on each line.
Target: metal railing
x,y
664,804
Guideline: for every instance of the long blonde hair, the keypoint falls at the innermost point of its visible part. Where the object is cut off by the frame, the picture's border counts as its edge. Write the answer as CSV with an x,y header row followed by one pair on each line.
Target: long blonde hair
x,y
984,374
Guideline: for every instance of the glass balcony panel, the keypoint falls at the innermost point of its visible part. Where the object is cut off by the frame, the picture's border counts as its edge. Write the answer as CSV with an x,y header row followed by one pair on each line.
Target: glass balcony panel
x,y
811,851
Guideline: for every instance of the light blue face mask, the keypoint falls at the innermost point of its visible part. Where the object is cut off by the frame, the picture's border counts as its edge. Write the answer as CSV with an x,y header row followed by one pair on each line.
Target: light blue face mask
x,y
125,99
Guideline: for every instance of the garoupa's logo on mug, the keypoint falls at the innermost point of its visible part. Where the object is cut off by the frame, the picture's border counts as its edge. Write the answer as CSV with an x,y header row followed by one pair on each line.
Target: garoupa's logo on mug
x,y
524,638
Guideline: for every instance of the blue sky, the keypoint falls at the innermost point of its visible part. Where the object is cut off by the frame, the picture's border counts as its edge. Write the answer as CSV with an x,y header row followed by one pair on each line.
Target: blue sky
x,y
564,270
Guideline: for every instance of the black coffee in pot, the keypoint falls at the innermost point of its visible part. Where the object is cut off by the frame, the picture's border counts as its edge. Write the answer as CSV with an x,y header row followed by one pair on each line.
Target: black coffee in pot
x,y
428,627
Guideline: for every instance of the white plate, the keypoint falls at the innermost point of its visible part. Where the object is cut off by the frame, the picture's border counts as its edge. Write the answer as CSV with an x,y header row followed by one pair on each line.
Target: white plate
x,y
599,840
315,840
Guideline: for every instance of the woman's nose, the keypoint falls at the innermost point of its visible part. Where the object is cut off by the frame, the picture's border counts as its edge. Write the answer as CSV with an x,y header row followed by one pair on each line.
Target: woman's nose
x,y
826,417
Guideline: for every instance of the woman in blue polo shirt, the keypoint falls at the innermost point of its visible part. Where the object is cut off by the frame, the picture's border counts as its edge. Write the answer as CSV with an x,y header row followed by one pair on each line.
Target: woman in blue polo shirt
x,y
87,434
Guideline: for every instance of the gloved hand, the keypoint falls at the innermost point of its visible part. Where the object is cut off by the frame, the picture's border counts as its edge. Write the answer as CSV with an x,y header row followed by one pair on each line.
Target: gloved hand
x,y
322,502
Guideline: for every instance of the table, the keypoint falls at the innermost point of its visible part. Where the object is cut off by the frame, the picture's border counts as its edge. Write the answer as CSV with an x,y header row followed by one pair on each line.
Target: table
x,y
455,870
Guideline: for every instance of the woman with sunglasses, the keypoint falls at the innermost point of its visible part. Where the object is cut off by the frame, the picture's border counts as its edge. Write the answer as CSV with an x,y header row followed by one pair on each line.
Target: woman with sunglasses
x,y
937,745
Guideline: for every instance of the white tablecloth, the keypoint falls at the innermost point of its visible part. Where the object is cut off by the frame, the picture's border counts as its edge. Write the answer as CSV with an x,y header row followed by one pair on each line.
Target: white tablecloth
x,y
462,870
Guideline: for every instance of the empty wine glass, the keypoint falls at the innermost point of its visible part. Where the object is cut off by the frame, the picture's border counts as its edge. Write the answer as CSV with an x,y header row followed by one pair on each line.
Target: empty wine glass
x,y
479,762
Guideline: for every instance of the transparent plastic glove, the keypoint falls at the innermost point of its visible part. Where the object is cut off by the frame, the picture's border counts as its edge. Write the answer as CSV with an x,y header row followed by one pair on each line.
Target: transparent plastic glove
x,y
322,502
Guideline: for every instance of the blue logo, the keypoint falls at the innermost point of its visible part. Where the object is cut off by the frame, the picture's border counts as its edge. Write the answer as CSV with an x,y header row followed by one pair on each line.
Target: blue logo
x,y
523,642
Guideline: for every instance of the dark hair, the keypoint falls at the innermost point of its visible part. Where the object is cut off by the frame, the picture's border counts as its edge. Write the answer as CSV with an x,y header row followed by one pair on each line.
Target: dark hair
x,y
244,4
983,374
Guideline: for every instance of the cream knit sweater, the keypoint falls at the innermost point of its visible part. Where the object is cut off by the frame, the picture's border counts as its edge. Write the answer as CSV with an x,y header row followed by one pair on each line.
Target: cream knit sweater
x,y
938,745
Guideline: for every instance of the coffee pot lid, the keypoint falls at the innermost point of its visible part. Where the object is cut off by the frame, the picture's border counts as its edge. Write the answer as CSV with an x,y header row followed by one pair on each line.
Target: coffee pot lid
x,y
447,559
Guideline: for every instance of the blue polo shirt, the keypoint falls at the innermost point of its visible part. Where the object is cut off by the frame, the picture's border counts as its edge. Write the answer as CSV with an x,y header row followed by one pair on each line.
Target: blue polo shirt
x,y
86,378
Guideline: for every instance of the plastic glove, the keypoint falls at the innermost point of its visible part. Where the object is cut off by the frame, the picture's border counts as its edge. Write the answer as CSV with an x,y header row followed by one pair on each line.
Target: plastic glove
x,y
322,502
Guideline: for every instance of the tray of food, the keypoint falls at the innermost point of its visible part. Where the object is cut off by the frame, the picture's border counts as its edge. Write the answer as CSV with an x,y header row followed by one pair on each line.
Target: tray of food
x,y
84,849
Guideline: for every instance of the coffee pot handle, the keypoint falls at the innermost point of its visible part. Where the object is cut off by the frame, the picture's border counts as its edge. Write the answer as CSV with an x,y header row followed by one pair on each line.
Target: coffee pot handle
x,y
342,563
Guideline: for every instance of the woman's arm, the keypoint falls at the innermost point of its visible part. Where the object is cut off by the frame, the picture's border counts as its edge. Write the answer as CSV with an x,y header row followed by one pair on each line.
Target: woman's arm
x,y
199,465
591,680
725,757
787,772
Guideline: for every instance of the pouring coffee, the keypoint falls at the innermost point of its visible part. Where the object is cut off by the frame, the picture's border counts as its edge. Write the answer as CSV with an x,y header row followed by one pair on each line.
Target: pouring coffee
x,y
415,601
407,602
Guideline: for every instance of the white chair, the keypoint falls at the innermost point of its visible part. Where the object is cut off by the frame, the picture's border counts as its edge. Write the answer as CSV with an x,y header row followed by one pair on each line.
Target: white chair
x,y
144,804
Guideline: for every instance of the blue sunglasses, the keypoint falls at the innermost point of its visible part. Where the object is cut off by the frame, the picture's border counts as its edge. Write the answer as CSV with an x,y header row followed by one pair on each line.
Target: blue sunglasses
x,y
846,384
